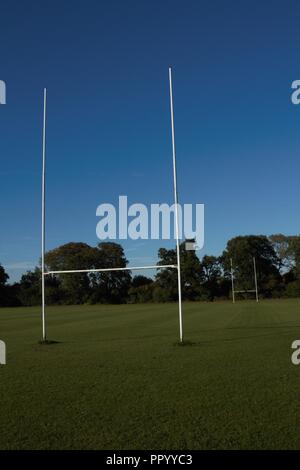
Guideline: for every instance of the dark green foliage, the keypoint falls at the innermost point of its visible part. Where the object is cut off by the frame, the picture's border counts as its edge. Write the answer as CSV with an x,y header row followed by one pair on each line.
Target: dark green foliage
x,y
242,250
74,288
141,294
8,293
110,287
212,276
3,276
30,288
166,279
277,261
141,289
3,280
139,281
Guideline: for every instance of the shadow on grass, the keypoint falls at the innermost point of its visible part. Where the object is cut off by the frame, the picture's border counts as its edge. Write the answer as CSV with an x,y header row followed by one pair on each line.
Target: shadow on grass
x,y
185,343
47,342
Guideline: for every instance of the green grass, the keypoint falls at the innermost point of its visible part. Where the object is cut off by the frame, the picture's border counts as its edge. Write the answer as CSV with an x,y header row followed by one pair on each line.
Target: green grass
x,y
117,379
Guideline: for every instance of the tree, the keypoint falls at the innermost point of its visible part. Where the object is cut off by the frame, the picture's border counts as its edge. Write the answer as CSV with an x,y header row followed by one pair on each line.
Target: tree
x,y
29,291
110,287
288,251
293,276
30,288
141,289
3,287
3,276
294,250
166,279
77,288
74,288
282,245
242,249
140,280
211,277
12,295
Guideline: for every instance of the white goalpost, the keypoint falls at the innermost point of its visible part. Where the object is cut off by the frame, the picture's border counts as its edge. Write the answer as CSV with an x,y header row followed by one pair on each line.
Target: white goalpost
x,y
245,291
173,266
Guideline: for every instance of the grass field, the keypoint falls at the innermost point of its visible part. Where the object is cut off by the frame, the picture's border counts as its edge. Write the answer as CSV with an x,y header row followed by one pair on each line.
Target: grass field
x,y
117,379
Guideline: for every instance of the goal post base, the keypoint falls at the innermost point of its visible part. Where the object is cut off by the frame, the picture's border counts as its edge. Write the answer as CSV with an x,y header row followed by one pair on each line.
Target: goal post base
x,y
47,342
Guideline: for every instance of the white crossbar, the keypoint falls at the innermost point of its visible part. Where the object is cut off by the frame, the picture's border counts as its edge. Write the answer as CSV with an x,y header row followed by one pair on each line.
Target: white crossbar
x,y
103,270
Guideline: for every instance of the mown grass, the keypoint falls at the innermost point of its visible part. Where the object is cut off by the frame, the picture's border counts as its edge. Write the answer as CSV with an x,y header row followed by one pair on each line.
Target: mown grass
x,y
116,378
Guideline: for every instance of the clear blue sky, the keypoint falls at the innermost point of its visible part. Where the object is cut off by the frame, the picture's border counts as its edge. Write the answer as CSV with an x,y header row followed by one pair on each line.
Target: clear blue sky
x,y
105,64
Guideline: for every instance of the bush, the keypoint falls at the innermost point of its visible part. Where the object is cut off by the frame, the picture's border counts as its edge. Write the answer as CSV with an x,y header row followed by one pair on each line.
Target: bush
x,y
160,295
293,289
141,294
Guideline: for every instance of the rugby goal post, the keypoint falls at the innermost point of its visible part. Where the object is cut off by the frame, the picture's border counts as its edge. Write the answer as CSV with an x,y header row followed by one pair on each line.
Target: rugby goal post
x,y
177,266
255,290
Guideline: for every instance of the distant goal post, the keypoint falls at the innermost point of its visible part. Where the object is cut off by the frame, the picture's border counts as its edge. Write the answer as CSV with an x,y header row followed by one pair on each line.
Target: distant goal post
x,y
243,291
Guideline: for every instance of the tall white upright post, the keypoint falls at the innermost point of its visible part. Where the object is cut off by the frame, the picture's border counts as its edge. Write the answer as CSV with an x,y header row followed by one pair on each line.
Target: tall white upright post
x,y
43,215
255,278
176,210
232,281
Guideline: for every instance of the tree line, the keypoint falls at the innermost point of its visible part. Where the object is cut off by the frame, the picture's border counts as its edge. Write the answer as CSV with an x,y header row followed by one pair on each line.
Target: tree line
x,y
277,261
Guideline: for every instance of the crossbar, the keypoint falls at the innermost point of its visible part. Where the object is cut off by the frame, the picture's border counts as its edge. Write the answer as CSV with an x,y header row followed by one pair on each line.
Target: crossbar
x,y
103,270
